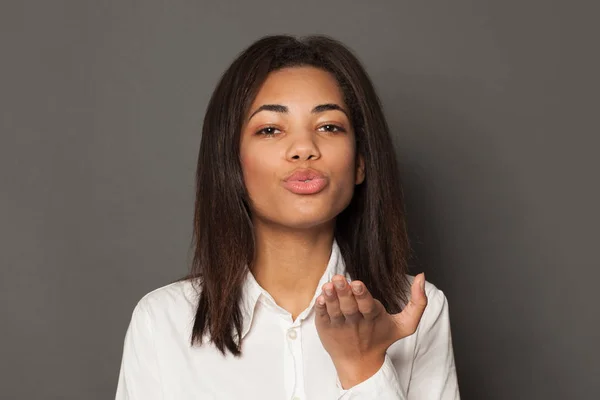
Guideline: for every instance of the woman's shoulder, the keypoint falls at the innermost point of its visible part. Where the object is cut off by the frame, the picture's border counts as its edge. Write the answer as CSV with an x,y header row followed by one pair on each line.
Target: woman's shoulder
x,y
179,296
161,317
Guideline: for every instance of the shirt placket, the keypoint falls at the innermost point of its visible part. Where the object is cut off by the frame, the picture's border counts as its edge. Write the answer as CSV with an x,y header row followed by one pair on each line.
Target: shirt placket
x,y
293,361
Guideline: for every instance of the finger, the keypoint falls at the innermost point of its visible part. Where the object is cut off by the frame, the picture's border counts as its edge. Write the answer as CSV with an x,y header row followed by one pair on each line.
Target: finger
x,y
348,304
367,305
409,318
321,308
333,305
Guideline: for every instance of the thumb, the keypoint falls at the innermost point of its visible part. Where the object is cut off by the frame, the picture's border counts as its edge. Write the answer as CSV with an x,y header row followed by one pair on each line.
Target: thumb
x,y
408,320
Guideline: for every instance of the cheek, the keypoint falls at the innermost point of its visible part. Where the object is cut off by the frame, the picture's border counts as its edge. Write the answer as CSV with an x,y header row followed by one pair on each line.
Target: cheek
x,y
257,172
250,169
345,164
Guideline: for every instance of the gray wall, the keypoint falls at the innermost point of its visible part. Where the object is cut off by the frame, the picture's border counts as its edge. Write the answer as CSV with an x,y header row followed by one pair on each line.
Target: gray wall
x,y
494,110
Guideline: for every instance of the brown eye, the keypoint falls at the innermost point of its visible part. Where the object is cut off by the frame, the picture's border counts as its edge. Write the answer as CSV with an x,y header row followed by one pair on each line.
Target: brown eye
x,y
332,128
267,131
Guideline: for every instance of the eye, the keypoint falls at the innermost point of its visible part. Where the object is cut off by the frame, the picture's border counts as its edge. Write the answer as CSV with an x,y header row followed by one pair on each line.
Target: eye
x,y
332,128
267,131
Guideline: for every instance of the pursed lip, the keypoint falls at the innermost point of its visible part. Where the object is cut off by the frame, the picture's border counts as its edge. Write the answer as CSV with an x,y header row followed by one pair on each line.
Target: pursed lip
x,y
303,174
305,181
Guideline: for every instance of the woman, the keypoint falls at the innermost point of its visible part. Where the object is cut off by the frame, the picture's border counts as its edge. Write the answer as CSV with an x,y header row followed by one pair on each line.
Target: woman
x,y
299,286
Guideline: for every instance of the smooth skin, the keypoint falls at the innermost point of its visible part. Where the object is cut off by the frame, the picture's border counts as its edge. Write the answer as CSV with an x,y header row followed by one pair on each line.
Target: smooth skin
x,y
294,233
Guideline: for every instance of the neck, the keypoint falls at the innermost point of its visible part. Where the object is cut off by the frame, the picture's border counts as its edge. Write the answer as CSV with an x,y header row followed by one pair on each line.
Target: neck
x,y
289,263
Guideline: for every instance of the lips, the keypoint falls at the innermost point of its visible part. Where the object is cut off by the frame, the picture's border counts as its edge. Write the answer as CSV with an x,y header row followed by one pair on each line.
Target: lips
x,y
305,181
304,175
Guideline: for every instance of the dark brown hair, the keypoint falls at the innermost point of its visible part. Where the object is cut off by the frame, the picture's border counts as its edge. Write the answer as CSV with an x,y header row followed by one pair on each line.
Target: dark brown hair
x,y
371,231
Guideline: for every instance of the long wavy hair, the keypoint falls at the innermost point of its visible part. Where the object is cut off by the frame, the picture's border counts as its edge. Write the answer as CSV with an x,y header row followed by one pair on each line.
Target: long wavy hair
x,y
371,232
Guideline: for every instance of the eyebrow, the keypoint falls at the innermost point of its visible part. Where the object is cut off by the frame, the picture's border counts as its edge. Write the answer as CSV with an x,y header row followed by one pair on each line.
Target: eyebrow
x,y
283,109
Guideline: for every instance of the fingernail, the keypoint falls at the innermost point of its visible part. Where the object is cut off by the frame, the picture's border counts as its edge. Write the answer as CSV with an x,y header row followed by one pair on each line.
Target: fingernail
x,y
357,288
339,284
328,291
423,282
321,300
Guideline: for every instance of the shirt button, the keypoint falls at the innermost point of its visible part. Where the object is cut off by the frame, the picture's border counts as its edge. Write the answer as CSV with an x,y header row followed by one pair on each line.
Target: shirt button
x,y
293,335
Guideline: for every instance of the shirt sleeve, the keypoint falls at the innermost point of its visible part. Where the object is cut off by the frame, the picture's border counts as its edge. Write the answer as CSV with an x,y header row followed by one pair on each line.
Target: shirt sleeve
x,y
434,373
383,385
139,378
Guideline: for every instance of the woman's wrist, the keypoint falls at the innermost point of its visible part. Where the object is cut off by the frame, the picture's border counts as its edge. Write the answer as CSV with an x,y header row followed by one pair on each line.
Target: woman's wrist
x,y
351,373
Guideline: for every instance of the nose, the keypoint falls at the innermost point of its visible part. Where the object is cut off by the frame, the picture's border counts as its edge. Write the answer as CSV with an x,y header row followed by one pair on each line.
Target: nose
x,y
303,147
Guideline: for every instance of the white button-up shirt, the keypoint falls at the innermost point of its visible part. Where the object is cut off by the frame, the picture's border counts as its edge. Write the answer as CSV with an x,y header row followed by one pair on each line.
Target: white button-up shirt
x,y
281,358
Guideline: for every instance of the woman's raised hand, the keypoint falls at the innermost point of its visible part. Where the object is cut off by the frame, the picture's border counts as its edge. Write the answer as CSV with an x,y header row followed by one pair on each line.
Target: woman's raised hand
x,y
356,330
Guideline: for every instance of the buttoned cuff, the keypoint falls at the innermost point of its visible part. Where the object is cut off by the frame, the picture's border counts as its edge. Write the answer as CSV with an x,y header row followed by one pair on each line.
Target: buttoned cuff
x,y
383,385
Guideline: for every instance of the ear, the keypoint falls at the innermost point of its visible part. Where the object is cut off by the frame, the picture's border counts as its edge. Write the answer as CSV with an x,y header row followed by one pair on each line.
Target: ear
x,y
360,169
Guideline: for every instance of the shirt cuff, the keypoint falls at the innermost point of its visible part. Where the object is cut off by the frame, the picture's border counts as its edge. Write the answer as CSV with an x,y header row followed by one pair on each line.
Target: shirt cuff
x,y
383,385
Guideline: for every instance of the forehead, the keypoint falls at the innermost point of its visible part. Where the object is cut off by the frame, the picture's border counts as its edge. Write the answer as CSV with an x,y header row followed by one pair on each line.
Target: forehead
x,y
299,85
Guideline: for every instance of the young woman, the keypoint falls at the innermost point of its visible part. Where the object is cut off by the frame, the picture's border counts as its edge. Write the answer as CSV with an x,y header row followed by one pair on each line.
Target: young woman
x,y
299,286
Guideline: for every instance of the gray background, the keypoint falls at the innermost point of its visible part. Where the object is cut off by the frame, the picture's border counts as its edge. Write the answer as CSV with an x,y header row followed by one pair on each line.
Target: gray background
x,y
494,111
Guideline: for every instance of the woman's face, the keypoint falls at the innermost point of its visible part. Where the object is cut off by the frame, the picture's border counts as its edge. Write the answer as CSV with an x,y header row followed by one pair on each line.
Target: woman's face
x,y
298,151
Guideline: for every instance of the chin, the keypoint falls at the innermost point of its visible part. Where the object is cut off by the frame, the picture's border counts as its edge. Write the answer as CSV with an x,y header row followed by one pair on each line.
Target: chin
x,y
307,217
304,214
304,224
293,218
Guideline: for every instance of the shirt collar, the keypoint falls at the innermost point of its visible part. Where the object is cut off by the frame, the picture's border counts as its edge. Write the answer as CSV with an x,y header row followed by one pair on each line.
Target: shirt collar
x,y
252,291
